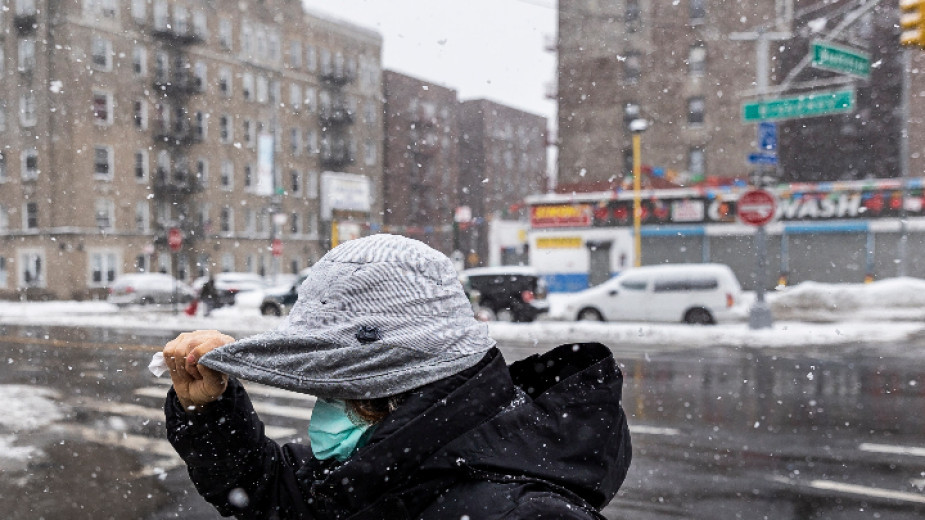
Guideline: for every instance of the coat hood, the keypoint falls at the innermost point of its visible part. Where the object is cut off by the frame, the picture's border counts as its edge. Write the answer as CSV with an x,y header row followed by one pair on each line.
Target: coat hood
x,y
554,419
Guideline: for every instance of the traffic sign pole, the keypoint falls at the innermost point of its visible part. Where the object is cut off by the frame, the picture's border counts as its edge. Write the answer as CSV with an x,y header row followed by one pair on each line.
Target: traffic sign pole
x,y
758,208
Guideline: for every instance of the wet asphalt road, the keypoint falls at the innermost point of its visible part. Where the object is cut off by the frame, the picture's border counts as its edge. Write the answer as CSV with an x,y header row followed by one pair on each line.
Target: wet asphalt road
x,y
722,432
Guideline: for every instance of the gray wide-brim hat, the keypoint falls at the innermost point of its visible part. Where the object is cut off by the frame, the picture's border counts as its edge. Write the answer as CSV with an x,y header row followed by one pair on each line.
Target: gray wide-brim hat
x,y
375,317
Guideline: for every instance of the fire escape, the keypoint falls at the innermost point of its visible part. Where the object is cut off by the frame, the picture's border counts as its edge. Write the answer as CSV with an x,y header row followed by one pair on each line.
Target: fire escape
x,y
337,115
175,183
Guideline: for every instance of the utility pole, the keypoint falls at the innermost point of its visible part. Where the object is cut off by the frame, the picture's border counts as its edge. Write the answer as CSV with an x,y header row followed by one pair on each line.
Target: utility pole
x,y
760,316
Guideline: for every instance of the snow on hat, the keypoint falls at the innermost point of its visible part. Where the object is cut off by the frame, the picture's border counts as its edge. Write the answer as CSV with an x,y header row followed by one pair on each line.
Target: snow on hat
x,y
375,317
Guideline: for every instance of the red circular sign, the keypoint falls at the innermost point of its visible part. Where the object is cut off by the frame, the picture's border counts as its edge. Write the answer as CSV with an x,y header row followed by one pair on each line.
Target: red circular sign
x,y
174,239
276,247
756,207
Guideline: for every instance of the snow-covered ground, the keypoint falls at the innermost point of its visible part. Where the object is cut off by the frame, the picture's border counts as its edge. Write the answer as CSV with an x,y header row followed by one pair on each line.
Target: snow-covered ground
x,y
808,313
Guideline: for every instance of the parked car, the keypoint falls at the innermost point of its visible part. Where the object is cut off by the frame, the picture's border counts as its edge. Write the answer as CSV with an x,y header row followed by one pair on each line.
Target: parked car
x,y
278,302
149,289
506,293
689,293
228,285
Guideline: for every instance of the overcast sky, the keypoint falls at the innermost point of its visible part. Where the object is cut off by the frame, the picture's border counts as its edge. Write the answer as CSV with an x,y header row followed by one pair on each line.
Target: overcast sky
x,y
494,49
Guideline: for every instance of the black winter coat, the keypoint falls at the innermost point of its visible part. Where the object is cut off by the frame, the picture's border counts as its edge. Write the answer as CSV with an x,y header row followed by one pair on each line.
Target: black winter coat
x,y
544,438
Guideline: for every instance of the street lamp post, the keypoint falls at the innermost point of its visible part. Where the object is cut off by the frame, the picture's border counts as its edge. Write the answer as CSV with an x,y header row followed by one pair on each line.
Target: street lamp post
x,y
637,127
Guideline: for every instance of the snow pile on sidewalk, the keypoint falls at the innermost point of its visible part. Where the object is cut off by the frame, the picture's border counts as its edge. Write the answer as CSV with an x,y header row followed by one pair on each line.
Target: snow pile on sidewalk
x,y
806,314
897,299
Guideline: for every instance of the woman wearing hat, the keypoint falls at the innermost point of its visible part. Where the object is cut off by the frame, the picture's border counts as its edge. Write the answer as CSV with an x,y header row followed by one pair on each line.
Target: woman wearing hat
x,y
418,415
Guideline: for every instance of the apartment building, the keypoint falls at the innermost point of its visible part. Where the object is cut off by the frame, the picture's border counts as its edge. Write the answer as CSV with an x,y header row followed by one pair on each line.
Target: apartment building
x,y
688,67
127,123
421,161
502,154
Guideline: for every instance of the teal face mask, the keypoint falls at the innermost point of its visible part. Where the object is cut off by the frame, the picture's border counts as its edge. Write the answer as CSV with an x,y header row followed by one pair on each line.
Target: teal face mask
x,y
333,433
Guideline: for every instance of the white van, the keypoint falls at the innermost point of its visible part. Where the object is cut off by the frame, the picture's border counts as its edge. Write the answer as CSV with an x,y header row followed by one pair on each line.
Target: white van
x,y
688,293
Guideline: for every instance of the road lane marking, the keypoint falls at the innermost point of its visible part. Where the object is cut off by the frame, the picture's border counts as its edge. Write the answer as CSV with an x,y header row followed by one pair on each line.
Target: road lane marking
x,y
913,451
855,489
291,412
75,344
255,390
653,430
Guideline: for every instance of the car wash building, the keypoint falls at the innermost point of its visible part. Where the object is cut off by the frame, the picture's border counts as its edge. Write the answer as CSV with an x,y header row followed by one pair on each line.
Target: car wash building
x,y
833,232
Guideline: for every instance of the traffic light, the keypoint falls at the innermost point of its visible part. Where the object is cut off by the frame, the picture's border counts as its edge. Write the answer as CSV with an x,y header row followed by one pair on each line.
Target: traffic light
x,y
912,22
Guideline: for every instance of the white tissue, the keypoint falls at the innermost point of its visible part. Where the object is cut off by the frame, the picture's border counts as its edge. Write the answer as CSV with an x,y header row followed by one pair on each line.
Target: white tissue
x,y
158,365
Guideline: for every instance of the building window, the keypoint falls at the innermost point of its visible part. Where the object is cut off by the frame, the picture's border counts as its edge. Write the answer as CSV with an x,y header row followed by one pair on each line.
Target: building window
x,y
632,67
140,10
140,115
311,142
102,108
295,141
295,96
695,111
227,262
3,272
224,34
248,133
202,171
97,10
247,86
311,100
200,76
3,177
312,185
295,182
139,61
26,55
632,15
227,177
141,165
698,11
263,89
696,161
104,214
32,268
4,219
161,15
248,176
161,68
27,112
250,220
102,162
200,25
224,82
697,60
30,215
225,220
101,54
30,164
104,266
311,58
224,129
25,7
200,128
370,152
142,216
295,55
295,223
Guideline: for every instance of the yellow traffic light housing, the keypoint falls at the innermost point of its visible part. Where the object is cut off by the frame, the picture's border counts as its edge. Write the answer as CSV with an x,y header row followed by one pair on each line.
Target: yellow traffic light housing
x,y
912,22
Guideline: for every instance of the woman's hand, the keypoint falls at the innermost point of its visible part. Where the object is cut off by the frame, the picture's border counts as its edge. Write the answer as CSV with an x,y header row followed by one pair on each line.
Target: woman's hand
x,y
195,385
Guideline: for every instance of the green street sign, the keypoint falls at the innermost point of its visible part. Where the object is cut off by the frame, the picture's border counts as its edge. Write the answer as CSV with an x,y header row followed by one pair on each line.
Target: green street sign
x,y
836,58
796,107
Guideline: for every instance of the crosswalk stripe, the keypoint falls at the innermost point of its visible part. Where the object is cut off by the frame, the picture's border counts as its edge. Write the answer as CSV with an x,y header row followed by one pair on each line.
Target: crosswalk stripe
x,y
653,430
291,412
892,449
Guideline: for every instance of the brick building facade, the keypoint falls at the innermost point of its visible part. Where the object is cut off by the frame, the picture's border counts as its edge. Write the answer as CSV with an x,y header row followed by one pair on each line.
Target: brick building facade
x,y
123,120
688,66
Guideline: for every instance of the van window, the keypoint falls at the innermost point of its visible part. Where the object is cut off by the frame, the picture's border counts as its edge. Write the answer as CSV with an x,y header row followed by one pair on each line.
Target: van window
x,y
685,284
634,284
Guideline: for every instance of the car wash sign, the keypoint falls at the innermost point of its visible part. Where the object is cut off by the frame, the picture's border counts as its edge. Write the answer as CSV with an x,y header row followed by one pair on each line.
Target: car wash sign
x,y
561,215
